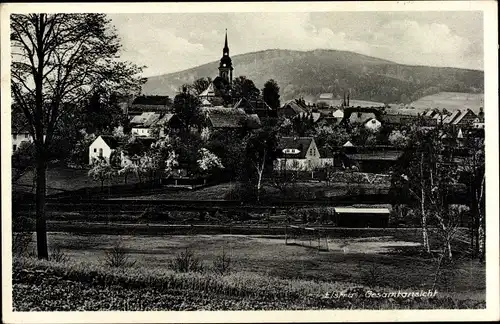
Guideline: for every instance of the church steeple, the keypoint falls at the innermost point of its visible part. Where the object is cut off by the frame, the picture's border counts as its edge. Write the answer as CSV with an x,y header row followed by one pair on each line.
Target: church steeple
x,y
226,65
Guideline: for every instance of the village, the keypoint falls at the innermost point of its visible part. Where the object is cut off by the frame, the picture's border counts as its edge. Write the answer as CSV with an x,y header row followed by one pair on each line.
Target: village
x,y
271,200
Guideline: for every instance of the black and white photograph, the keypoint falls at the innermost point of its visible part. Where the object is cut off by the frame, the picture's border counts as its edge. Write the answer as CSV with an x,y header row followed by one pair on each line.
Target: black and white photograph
x,y
211,157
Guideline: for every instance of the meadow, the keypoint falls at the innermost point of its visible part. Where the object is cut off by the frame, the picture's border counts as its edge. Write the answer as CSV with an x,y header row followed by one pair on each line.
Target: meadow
x,y
451,101
264,273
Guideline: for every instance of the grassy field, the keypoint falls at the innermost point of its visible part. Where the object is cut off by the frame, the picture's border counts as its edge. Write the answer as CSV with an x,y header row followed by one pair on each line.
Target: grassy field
x,y
309,189
451,101
66,179
389,262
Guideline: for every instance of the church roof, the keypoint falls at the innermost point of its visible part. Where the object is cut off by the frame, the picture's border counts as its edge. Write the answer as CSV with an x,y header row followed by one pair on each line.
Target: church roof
x,y
209,91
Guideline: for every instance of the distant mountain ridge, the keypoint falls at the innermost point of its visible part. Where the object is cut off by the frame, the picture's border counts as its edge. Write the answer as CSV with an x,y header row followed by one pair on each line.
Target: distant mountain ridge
x,y
310,73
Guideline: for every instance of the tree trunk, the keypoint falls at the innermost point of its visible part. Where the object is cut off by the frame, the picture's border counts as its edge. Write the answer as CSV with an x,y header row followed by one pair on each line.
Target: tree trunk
x,y
425,235
259,180
41,227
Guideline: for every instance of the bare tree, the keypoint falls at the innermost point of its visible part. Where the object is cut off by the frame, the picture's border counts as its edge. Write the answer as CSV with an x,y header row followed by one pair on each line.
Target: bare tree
x,y
57,61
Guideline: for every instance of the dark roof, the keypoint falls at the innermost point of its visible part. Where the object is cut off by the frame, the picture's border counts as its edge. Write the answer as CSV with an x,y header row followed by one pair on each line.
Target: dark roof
x,y
299,143
145,141
221,117
376,156
111,141
152,100
292,104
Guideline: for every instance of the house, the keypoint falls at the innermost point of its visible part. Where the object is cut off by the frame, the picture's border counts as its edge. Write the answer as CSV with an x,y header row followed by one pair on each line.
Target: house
x,y
327,100
255,106
298,154
157,104
142,125
373,161
102,148
465,119
291,109
373,124
478,123
351,216
449,120
227,118
167,122
20,134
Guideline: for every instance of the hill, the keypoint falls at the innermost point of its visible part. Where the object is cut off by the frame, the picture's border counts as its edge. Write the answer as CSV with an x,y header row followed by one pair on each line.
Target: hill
x,y
310,73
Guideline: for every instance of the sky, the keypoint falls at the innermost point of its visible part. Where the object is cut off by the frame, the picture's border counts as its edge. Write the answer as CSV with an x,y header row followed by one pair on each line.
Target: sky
x,y
170,42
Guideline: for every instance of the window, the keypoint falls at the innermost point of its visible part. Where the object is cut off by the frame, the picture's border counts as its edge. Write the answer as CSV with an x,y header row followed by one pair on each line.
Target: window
x,y
14,147
14,136
95,150
26,135
100,152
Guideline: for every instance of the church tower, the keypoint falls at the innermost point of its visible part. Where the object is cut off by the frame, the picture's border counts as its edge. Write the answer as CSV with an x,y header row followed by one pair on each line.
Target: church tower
x,y
226,65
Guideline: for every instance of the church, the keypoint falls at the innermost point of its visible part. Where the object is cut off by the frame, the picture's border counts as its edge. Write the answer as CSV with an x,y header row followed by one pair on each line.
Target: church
x,y
219,91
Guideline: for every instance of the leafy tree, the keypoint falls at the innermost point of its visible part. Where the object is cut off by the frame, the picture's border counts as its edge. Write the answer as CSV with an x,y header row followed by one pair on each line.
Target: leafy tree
x,y
80,153
271,94
331,136
128,169
201,84
58,60
187,108
163,157
244,88
101,112
208,161
101,171
23,160
398,139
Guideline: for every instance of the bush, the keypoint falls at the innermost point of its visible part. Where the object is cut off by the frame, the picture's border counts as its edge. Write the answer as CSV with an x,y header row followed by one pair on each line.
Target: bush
x,y
222,263
57,255
118,257
186,261
373,274
21,244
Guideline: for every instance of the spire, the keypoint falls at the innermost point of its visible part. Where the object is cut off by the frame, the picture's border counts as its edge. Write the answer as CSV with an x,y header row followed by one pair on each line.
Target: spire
x,y
225,43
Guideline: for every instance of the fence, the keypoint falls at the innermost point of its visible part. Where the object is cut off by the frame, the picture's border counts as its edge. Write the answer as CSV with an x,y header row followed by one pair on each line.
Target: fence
x,y
306,236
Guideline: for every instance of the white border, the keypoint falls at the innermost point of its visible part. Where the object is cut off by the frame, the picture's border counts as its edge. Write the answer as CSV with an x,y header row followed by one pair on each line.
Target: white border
x,y
492,312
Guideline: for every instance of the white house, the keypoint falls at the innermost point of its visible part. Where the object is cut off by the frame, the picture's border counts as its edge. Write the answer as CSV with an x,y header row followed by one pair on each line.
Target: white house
x,y
142,124
298,154
102,147
478,123
18,137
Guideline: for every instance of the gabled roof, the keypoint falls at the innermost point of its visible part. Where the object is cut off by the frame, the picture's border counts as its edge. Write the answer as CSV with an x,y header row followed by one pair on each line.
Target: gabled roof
x,y
165,119
209,91
111,141
430,113
462,115
452,117
146,119
299,143
292,104
348,144
257,104
460,134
